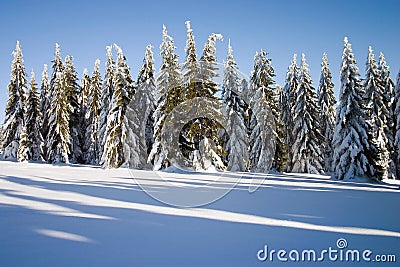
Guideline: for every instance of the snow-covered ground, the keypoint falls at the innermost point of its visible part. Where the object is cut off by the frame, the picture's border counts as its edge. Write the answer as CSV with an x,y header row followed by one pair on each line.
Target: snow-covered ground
x,y
87,216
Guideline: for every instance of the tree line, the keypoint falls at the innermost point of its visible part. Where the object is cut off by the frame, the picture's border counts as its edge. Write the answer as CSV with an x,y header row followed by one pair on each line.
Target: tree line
x,y
114,121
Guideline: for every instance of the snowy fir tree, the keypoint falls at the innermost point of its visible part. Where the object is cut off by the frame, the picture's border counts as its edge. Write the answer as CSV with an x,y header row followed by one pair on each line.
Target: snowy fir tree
x,y
91,142
378,115
396,105
326,103
169,85
265,112
85,88
237,144
15,107
308,141
147,86
287,104
58,138
388,95
116,150
350,139
203,129
262,77
73,90
107,91
57,70
45,100
33,123
140,112
57,67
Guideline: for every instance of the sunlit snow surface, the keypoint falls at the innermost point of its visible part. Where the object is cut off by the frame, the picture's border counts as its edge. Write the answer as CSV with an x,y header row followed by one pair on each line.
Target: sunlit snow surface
x,y
85,216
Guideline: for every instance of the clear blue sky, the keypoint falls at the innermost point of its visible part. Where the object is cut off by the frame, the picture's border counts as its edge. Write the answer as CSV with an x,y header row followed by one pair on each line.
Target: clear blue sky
x,y
84,28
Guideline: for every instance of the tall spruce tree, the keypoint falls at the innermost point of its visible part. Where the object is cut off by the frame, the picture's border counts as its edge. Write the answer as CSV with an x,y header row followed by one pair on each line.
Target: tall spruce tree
x,y
389,95
265,113
107,91
326,103
57,67
15,108
378,115
237,144
396,106
169,85
199,138
203,132
116,150
147,87
58,139
350,140
73,91
33,123
56,142
91,142
287,104
140,112
45,99
308,141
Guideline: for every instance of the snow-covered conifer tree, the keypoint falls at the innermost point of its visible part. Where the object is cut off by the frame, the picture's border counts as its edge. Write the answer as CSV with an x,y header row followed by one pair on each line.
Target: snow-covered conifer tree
x,y
140,112
58,139
169,85
350,139
378,115
308,141
45,101
326,103
238,144
198,82
265,113
49,120
33,122
287,102
15,107
91,141
205,127
73,90
107,91
116,149
396,106
388,96
57,67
